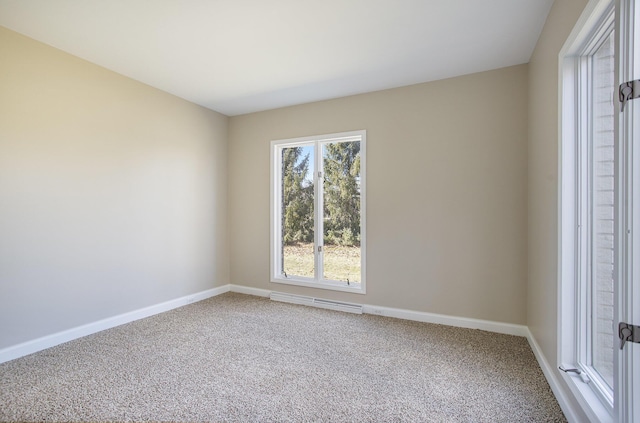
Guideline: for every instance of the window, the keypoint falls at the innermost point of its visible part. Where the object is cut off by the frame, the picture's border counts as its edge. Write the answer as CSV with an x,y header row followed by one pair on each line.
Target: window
x,y
598,190
588,211
318,211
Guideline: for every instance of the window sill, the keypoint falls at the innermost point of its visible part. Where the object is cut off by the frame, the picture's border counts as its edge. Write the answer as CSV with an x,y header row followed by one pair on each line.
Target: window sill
x,y
332,286
590,402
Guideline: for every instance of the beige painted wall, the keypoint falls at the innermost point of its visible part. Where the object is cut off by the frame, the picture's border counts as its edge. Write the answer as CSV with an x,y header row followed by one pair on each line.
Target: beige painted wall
x,y
112,193
542,289
446,192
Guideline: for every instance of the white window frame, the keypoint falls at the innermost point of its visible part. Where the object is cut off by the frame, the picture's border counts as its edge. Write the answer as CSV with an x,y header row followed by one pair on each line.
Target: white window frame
x,y
276,228
628,191
573,299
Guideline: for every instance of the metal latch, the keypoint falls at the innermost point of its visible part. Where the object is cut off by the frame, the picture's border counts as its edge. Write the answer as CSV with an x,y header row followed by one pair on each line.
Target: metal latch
x,y
628,333
628,91
583,375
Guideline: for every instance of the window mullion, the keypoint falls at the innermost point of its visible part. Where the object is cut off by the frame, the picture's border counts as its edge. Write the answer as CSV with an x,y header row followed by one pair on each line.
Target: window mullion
x,y
319,212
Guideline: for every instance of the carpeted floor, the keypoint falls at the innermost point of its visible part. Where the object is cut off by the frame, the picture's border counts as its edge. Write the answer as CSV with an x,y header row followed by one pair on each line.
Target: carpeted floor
x,y
242,358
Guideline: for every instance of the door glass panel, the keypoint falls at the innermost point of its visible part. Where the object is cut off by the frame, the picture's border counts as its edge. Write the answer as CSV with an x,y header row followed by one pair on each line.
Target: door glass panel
x,y
298,258
341,211
603,212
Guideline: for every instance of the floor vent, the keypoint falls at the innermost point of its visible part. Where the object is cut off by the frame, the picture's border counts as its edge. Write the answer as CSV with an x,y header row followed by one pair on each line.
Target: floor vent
x,y
317,302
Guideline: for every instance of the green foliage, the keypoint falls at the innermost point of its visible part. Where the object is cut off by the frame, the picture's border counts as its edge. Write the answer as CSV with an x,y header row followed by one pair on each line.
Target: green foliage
x,y
341,163
297,197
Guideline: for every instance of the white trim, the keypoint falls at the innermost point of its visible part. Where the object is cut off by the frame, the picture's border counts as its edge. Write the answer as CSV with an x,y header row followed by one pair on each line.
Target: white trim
x,y
30,347
627,366
590,17
590,402
400,313
417,316
48,341
442,319
241,289
320,285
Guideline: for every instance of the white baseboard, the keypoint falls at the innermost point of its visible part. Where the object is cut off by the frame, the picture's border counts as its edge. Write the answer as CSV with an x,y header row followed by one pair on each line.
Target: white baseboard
x,y
48,341
241,289
30,347
550,374
418,316
442,319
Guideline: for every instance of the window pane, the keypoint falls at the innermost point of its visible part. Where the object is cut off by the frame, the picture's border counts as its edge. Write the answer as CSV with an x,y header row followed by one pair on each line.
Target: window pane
x,y
298,211
341,211
603,212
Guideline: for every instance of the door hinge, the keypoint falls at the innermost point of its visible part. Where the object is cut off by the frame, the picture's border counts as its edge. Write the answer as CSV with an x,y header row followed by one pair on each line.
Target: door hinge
x,y
628,333
628,91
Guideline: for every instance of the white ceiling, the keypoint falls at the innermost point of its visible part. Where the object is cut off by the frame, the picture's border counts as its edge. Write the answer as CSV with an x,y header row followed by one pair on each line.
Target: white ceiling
x,y
241,56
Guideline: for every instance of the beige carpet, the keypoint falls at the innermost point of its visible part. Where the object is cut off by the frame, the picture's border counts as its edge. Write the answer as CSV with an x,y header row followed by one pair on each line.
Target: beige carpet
x,y
243,358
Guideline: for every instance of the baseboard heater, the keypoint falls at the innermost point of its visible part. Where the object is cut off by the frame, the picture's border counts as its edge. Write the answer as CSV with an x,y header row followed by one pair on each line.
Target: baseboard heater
x,y
317,302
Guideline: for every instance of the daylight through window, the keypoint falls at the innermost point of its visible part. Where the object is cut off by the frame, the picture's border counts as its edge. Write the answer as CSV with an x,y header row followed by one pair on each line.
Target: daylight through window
x,y
318,202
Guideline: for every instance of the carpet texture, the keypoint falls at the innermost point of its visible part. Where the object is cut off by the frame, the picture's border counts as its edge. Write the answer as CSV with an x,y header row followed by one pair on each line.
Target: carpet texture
x,y
240,358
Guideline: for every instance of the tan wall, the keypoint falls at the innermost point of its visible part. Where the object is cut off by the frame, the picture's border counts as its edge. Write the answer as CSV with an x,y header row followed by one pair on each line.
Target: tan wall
x,y
112,193
542,299
446,192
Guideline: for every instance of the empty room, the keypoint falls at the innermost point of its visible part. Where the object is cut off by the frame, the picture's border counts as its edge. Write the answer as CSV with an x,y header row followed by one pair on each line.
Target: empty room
x,y
346,210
